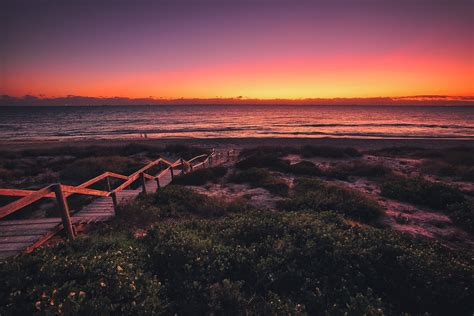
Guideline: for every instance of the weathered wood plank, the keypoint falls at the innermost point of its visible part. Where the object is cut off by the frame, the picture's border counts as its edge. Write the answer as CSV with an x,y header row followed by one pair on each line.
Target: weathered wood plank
x,y
16,246
20,239
28,232
30,221
20,227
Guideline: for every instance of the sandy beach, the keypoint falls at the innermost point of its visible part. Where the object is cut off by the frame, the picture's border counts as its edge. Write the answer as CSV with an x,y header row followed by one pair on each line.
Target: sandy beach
x,y
239,143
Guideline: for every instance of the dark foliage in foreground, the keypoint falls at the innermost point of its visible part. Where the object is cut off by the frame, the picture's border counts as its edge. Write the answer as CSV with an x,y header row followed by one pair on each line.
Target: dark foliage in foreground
x,y
100,276
317,196
201,176
262,178
254,263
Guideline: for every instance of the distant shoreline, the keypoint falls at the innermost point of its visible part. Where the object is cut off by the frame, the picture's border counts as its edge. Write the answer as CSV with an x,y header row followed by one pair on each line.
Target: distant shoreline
x,y
364,144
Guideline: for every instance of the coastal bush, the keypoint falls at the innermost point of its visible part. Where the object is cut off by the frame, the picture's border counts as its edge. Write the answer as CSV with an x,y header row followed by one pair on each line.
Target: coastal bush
x,y
457,162
304,167
201,176
316,196
98,275
185,151
421,192
263,161
253,263
271,263
444,169
329,152
274,151
262,178
357,169
462,214
88,168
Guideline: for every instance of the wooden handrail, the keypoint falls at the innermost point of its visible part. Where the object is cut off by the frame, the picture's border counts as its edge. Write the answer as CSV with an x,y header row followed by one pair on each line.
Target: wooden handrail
x,y
71,189
27,200
29,196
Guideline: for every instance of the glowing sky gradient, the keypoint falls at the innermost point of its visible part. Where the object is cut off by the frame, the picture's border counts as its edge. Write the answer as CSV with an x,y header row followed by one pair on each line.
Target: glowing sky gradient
x,y
255,49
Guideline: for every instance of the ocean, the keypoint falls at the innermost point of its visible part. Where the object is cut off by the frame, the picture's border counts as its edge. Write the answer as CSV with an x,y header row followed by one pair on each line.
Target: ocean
x,y
51,123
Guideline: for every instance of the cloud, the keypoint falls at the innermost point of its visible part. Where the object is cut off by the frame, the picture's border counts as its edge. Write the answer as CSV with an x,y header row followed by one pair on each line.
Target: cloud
x,y
74,100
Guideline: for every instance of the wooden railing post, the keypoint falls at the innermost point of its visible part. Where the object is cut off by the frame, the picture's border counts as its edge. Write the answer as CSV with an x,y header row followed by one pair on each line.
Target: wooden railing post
x,y
157,184
182,166
113,195
172,173
64,209
142,179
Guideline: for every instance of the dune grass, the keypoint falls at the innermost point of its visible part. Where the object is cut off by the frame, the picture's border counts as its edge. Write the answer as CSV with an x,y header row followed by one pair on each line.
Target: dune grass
x,y
252,263
435,195
357,169
456,162
201,176
421,192
316,196
262,178
174,202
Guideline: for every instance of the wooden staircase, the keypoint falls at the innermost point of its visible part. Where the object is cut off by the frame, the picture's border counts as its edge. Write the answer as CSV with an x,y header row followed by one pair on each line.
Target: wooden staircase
x,y
24,235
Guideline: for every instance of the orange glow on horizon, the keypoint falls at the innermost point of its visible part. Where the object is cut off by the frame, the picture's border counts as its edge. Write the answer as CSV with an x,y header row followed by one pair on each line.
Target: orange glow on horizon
x,y
295,77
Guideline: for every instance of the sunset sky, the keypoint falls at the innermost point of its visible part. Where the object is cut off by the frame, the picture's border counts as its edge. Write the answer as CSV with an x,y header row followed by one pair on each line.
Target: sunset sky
x,y
226,49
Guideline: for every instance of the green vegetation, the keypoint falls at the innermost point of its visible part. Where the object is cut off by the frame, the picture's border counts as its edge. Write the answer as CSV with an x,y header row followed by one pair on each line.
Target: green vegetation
x,y
456,162
87,168
173,201
439,196
39,167
421,192
462,214
357,169
99,275
316,196
262,178
201,176
329,152
305,168
252,263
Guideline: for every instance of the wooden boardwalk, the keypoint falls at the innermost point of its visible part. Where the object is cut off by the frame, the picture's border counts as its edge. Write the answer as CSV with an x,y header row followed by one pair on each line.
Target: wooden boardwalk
x,y
19,236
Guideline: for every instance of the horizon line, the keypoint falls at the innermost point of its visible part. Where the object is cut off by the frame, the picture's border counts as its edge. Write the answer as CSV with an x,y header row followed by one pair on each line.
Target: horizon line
x,y
78,100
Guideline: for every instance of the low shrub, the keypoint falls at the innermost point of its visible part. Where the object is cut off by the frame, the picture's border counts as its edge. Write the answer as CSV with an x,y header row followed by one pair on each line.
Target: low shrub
x,y
262,178
275,151
88,168
329,152
316,196
100,275
421,192
462,214
201,176
263,161
357,169
304,167
253,263
290,263
444,169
